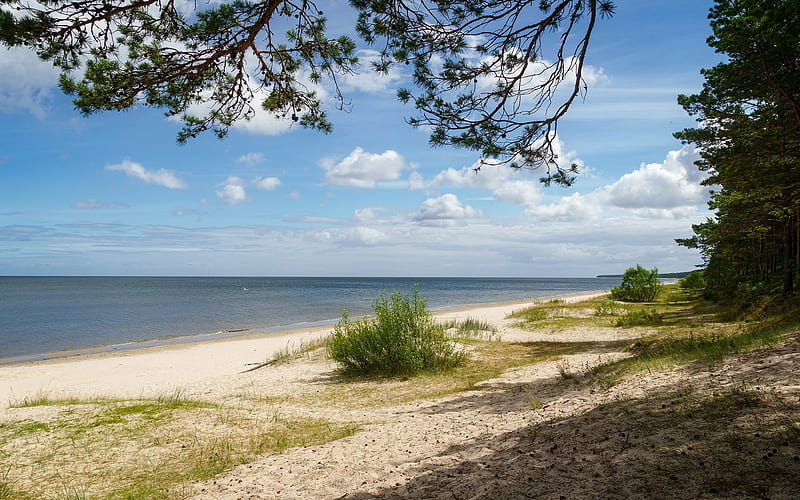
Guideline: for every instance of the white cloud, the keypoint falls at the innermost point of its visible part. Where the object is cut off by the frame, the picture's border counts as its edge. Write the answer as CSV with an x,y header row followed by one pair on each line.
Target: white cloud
x,y
251,159
674,183
160,177
363,170
444,208
521,192
92,204
517,187
352,236
369,80
667,190
574,207
266,184
232,191
25,81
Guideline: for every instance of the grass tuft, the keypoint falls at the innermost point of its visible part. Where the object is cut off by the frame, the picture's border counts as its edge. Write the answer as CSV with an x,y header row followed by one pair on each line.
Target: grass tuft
x,y
471,328
640,317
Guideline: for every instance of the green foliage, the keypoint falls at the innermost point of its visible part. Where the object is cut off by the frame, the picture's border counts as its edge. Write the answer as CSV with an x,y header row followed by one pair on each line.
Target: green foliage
x,y
638,285
402,339
608,308
749,141
494,77
210,66
695,281
640,317
472,328
468,60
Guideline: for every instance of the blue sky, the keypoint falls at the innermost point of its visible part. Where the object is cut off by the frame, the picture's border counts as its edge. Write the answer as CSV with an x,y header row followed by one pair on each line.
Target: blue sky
x,y
114,194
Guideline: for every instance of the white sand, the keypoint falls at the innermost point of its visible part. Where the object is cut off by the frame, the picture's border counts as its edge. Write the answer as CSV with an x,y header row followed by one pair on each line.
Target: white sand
x,y
195,368
478,443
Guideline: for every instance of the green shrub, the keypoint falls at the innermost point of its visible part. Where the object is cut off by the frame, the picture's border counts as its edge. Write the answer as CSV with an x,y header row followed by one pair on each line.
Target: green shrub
x,y
402,339
638,285
608,308
640,317
693,281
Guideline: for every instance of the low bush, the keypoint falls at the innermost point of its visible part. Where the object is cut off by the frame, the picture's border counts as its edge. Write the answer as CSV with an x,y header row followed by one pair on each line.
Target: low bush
x,y
638,285
640,317
695,281
402,339
608,308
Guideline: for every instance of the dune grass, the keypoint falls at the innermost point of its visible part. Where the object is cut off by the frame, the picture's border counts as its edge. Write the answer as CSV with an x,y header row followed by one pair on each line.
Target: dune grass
x,y
121,449
69,448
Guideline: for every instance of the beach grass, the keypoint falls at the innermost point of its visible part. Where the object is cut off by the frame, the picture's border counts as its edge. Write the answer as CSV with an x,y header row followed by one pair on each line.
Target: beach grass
x,y
487,360
72,448
120,449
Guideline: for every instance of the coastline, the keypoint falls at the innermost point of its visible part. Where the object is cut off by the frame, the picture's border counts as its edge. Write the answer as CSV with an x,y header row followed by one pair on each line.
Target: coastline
x,y
189,364
189,421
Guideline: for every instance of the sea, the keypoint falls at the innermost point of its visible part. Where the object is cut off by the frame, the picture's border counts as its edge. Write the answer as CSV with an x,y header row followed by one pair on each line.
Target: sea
x,y
48,317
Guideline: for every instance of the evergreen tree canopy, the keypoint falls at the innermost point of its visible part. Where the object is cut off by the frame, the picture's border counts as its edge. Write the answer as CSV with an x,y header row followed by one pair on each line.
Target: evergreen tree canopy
x,y
749,135
492,76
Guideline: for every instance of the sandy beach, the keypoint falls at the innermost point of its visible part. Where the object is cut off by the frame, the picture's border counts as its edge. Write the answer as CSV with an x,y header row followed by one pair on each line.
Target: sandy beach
x,y
533,432
197,368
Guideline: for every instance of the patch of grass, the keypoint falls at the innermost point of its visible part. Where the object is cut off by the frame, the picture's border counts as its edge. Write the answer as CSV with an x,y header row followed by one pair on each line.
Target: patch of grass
x,y
609,308
296,351
659,351
122,449
488,360
471,328
559,315
43,399
640,317
7,491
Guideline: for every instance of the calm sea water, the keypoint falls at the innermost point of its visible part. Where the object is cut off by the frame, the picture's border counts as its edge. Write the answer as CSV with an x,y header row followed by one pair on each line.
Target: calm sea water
x,y
41,315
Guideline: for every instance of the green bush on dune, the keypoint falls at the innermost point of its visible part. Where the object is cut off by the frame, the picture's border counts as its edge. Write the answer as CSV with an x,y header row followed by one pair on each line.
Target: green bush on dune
x,y
402,339
638,285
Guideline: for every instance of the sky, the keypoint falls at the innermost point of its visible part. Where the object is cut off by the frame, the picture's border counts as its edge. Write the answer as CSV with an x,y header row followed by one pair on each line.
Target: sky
x,y
115,194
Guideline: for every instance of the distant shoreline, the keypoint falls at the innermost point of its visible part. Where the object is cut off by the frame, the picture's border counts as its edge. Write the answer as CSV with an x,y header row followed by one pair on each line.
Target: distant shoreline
x,y
660,275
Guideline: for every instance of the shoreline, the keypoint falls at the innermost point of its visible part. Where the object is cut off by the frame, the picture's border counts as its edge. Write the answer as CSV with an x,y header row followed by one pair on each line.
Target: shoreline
x,y
234,333
192,365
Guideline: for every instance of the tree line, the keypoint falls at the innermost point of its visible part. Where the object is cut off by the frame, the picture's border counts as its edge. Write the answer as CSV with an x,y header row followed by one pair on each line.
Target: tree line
x,y
748,135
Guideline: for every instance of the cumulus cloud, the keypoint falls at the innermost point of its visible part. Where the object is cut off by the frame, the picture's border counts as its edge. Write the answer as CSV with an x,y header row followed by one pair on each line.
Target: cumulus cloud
x,y
444,208
575,207
266,184
517,187
25,81
92,204
160,177
671,184
521,192
670,189
251,159
369,80
232,191
363,170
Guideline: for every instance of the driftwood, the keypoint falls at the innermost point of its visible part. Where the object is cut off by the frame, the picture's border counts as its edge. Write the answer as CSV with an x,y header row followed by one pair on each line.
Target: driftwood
x,y
260,365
